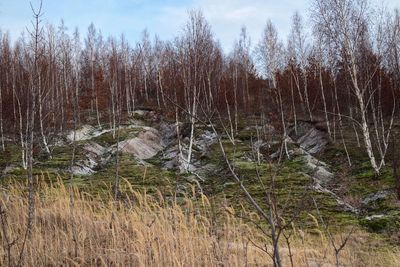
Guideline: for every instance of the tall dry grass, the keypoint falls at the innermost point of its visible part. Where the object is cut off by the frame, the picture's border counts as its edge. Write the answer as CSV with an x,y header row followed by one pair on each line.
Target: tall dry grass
x,y
144,230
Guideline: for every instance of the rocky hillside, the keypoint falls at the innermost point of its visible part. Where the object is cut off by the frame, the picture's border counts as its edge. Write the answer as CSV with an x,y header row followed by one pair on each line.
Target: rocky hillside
x,y
314,182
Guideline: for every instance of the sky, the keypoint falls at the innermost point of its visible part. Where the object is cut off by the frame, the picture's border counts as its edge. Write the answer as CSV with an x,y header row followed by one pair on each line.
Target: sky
x,y
164,18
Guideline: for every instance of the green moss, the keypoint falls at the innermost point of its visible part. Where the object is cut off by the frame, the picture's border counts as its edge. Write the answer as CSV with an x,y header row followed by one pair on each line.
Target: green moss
x,y
107,139
376,224
11,155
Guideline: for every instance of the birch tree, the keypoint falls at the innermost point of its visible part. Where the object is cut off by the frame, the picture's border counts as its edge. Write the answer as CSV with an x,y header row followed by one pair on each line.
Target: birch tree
x,y
36,35
269,52
344,23
193,48
300,51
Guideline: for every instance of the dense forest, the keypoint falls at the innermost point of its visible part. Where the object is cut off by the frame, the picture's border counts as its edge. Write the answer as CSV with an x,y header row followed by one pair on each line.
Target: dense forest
x,y
339,70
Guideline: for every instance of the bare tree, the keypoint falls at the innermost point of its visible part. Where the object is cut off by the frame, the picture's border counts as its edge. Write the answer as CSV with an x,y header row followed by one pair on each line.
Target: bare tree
x,y
92,46
33,94
246,60
343,241
269,53
300,52
1,101
319,51
344,24
146,63
72,78
32,109
192,48
240,66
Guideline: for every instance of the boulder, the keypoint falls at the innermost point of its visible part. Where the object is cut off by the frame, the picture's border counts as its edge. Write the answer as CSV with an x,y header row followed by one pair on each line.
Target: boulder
x,y
145,146
81,168
10,168
314,141
81,134
309,136
206,139
94,148
376,196
319,169
94,153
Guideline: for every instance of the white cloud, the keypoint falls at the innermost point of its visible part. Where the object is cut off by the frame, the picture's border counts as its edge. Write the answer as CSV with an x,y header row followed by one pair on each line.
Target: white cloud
x,y
162,17
228,16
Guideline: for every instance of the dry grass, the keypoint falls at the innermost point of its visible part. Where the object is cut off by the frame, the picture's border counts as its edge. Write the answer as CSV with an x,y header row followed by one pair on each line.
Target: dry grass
x,y
148,230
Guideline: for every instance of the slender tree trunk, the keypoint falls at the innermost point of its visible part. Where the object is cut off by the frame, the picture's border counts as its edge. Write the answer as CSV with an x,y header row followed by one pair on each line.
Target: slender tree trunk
x,y
112,104
94,93
178,132
235,99
396,173
231,135
192,127
365,130
117,164
40,103
75,104
293,105
340,122
1,120
297,83
282,114
20,124
324,102
145,86
160,78
247,88
306,95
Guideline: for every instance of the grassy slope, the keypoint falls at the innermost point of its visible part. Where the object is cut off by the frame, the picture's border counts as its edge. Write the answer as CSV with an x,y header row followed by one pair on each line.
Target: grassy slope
x,y
291,181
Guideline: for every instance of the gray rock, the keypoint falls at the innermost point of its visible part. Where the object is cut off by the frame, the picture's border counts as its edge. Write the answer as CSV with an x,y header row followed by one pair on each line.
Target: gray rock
x,y
145,146
81,169
346,206
94,148
185,168
140,113
322,175
267,128
171,152
314,141
309,136
10,169
375,216
83,133
205,140
319,170
94,153
168,132
86,132
375,196
170,164
135,122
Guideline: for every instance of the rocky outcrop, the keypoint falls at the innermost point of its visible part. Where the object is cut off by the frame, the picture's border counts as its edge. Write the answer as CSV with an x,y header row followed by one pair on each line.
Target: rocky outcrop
x,y
319,170
375,197
94,156
86,132
174,159
309,136
312,140
145,146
